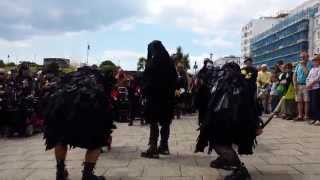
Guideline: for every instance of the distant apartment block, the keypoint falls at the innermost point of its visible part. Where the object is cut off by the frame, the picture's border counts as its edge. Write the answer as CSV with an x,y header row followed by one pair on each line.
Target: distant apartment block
x,y
62,62
298,31
253,28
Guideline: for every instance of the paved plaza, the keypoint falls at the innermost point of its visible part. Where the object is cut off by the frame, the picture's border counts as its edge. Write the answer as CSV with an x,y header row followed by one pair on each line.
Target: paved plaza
x,y
287,151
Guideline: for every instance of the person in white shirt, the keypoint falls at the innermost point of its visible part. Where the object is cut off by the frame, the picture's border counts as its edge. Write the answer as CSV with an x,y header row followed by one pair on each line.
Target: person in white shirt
x,y
313,86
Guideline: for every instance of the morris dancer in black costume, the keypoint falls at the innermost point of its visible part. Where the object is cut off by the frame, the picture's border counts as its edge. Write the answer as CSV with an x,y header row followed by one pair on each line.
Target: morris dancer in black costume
x,y
3,99
233,118
160,78
78,115
203,91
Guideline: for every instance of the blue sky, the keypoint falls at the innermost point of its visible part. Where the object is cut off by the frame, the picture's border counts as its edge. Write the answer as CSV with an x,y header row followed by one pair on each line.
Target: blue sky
x,y
121,29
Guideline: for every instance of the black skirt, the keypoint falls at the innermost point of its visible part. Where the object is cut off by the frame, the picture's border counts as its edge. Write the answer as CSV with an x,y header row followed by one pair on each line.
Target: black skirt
x,y
85,123
159,110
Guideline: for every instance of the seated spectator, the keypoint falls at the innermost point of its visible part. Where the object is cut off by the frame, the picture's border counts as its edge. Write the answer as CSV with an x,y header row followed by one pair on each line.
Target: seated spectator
x,y
313,86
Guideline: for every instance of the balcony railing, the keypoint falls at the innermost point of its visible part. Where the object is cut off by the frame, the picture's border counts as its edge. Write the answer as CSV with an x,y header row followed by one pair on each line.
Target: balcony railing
x,y
278,57
283,47
279,39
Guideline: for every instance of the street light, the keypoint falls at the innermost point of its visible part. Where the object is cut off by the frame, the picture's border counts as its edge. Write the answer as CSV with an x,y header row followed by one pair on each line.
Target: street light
x,y
195,67
211,56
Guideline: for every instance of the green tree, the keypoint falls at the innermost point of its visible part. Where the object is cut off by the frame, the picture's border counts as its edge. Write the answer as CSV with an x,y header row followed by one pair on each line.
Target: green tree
x,y
69,69
11,64
141,64
107,66
2,65
107,63
52,68
180,57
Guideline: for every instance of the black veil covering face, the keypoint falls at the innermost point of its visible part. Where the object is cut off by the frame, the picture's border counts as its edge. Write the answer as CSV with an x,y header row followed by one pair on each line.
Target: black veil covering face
x,y
159,83
203,90
79,111
232,117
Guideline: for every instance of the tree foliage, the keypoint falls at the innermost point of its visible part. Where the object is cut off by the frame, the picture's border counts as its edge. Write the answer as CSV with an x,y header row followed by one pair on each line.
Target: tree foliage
x,y
52,68
107,63
11,64
141,64
2,65
180,57
107,67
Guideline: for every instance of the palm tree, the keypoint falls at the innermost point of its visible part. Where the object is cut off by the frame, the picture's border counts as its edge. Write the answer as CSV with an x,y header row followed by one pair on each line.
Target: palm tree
x,y
180,57
141,63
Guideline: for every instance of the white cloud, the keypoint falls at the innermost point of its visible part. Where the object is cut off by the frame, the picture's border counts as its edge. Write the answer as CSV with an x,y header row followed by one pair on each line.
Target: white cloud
x,y
217,23
15,44
215,42
124,25
25,19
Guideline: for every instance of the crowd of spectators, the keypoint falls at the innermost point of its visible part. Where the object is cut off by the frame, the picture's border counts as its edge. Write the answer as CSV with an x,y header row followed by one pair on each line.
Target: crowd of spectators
x,y
294,88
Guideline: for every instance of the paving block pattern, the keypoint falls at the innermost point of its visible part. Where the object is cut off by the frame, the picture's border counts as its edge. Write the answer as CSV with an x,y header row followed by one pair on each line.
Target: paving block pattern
x,y
287,151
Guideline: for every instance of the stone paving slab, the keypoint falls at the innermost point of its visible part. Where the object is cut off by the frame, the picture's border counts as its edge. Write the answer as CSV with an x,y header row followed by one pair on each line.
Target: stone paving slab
x,y
286,151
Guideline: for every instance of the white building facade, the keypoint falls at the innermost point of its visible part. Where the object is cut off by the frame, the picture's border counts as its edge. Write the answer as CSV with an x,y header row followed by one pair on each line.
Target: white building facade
x,y
253,28
299,31
314,39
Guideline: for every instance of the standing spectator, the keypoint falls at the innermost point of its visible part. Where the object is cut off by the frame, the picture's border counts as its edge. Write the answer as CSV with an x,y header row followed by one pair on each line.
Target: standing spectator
x,y
299,81
264,82
278,67
274,94
289,107
181,90
134,98
313,85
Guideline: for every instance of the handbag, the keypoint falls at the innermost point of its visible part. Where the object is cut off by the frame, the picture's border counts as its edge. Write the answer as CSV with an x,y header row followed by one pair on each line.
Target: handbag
x,y
290,93
280,89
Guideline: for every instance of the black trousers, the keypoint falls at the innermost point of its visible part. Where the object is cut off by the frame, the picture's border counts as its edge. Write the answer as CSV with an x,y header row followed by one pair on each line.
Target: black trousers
x,y
228,153
133,107
164,133
315,104
202,115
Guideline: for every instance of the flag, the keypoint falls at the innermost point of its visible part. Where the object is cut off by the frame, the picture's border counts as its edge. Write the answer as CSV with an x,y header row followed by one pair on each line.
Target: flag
x,y
8,56
88,47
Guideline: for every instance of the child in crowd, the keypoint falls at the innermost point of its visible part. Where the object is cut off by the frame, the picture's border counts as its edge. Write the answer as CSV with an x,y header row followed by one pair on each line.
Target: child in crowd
x,y
275,96
313,86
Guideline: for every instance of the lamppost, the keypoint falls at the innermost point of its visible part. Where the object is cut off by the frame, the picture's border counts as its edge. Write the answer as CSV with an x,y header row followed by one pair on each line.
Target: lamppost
x,y
88,49
195,67
211,56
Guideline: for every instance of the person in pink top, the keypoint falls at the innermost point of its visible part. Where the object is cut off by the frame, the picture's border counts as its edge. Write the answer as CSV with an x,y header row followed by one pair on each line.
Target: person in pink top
x,y
313,86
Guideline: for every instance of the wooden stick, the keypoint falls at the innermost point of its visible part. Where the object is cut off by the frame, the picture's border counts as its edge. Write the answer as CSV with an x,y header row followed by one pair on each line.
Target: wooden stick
x,y
277,109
